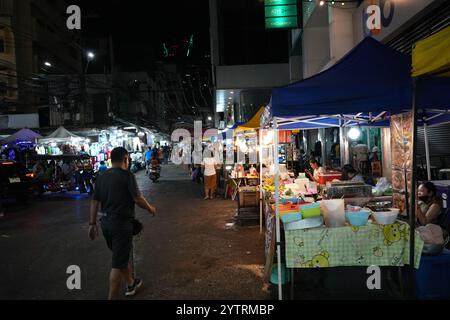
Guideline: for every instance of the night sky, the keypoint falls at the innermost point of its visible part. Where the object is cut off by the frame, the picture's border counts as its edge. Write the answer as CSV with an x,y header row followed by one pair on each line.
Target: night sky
x,y
139,28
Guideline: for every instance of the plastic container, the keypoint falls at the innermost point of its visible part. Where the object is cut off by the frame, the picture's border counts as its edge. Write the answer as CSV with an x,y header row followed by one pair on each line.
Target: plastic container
x,y
357,218
303,183
291,217
304,224
284,275
310,210
329,176
386,217
333,212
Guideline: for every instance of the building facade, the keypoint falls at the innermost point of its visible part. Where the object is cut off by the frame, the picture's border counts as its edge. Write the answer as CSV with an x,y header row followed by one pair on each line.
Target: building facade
x,y
34,36
247,60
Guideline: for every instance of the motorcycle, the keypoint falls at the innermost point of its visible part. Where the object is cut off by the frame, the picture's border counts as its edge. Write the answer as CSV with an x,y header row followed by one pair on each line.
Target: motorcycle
x,y
154,173
86,181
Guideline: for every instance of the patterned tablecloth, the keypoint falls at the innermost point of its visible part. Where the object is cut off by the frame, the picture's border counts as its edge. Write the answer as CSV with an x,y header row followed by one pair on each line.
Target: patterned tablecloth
x,y
372,244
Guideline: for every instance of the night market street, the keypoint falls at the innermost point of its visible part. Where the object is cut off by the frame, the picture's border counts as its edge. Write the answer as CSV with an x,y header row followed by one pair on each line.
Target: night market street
x,y
185,252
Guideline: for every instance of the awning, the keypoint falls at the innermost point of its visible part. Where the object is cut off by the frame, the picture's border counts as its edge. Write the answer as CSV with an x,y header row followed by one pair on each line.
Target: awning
x,y
253,123
431,56
370,78
60,135
23,135
370,83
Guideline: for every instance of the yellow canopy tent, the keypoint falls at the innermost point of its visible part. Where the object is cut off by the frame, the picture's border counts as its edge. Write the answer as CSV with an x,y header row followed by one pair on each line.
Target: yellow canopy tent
x,y
431,56
253,123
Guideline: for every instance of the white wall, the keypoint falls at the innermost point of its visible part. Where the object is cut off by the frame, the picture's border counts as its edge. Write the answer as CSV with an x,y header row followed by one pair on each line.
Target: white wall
x,y
19,121
252,76
341,33
316,42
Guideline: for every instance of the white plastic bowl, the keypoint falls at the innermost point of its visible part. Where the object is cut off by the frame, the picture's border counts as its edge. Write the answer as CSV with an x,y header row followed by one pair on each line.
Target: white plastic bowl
x,y
385,217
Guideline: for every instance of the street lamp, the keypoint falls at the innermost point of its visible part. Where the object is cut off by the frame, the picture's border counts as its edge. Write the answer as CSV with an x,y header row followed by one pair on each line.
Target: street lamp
x,y
90,56
209,118
47,64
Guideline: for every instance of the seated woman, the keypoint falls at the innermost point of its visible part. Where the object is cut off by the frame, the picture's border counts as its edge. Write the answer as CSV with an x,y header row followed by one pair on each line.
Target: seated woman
x,y
315,165
350,174
429,206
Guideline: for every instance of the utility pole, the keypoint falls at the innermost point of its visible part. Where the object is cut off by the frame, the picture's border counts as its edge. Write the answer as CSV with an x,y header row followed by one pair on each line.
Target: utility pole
x,y
83,107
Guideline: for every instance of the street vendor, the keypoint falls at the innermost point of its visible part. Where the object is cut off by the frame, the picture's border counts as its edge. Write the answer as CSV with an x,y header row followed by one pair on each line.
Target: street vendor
x,y
318,169
429,206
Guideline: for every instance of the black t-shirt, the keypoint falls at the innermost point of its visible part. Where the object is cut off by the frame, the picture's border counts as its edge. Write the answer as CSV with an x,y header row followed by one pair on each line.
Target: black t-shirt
x,y
116,190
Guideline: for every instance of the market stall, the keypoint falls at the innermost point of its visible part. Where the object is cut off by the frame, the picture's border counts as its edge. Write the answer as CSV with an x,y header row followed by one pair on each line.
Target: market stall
x,y
376,90
19,146
245,181
61,141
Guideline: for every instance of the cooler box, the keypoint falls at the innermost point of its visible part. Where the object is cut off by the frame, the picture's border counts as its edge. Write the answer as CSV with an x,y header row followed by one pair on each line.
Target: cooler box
x,y
433,276
329,176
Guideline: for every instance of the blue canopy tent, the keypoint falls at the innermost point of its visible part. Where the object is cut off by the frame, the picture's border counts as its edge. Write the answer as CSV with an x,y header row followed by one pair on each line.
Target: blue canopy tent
x,y
370,83
370,78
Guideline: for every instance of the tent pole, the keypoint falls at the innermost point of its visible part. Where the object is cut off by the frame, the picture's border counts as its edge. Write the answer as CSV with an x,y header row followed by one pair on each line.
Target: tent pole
x,y
412,211
260,181
368,138
277,208
427,150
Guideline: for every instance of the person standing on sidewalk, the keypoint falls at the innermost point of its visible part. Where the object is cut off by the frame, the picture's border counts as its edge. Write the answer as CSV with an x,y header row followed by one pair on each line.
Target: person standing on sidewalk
x,y
210,177
117,192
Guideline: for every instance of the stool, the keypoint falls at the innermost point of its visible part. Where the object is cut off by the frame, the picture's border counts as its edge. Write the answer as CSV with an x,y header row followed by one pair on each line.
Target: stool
x,y
433,276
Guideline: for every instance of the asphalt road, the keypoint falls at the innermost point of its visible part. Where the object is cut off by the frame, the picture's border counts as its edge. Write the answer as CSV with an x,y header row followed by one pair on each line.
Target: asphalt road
x,y
185,252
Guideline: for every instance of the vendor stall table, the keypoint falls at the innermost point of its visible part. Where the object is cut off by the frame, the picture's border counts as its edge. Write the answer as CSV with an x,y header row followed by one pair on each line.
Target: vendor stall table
x,y
381,245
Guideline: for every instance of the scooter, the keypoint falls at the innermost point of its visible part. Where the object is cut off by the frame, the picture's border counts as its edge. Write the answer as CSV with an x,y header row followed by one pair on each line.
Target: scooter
x,y
154,173
86,181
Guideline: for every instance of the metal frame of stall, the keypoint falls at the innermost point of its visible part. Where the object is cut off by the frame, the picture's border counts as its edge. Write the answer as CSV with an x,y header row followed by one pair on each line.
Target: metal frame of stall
x,y
345,121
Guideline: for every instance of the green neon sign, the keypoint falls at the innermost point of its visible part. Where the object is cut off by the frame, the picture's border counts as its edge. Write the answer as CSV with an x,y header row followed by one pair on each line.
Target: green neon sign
x,y
279,2
281,23
281,11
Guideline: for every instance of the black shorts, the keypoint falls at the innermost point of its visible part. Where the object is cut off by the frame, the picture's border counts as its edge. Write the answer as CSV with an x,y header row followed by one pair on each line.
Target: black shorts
x,y
118,234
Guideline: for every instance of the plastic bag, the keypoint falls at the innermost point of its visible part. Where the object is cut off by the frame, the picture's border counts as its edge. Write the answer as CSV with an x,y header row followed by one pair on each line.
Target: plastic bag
x,y
431,234
381,187
333,212
433,239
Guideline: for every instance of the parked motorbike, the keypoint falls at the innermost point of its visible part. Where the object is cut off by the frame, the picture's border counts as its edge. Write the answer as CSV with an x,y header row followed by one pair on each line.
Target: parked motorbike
x,y
154,173
86,180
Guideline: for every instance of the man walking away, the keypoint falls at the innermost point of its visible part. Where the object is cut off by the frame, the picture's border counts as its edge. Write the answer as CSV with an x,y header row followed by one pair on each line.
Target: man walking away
x,y
117,192
166,152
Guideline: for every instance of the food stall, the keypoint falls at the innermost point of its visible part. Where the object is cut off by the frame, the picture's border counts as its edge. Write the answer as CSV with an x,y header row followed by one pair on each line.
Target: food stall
x,y
246,185
369,94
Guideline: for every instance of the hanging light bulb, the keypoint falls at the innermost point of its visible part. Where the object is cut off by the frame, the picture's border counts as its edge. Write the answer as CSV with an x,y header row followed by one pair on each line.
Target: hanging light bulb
x,y
354,133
